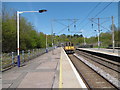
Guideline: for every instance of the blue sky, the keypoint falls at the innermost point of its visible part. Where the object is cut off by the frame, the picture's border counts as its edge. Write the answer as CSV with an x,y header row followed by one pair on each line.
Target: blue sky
x,y
67,10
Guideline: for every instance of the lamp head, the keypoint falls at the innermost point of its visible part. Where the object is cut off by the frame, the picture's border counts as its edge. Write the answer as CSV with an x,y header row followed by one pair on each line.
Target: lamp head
x,y
43,10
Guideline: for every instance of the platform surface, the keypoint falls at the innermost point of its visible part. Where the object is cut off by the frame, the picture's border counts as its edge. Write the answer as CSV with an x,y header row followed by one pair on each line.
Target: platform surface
x,y
45,71
41,72
103,50
70,77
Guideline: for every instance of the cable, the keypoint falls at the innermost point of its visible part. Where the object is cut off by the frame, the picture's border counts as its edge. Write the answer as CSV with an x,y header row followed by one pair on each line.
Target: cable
x,y
65,28
101,25
60,23
105,21
66,25
98,12
103,9
90,13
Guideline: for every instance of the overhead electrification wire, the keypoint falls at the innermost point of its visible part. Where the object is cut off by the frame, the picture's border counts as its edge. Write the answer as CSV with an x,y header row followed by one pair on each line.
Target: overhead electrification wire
x,y
98,12
65,28
66,25
103,9
60,22
101,25
105,21
89,14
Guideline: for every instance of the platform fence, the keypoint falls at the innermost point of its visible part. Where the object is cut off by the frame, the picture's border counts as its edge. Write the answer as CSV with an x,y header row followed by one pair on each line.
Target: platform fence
x,y
9,60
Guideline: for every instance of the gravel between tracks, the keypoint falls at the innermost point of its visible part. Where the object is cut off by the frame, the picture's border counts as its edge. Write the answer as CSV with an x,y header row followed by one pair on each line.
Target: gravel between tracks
x,y
91,77
107,70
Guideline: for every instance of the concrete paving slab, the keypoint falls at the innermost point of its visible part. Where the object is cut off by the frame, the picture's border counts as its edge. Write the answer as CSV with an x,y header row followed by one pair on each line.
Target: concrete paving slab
x,y
10,76
6,85
47,65
56,78
40,72
37,80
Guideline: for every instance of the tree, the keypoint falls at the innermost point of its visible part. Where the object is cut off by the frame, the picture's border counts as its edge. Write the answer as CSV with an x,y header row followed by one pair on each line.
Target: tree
x,y
9,34
29,38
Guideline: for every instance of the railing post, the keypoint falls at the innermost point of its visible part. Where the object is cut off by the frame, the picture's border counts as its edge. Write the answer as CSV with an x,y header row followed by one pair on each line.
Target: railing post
x,y
42,51
13,58
23,56
28,54
33,52
37,52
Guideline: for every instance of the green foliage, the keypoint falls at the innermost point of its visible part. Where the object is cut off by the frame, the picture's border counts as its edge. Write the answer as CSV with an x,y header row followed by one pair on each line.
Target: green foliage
x,y
29,38
117,38
106,39
9,34
42,40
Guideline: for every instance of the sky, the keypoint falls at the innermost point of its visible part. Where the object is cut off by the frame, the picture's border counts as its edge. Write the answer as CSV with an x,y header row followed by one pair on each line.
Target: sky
x,y
62,14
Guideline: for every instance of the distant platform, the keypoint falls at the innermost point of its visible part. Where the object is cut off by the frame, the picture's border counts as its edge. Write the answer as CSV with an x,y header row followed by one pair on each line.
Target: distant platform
x,y
103,51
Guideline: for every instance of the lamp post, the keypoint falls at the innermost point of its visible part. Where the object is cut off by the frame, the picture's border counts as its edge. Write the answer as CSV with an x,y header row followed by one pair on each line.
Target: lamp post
x,y
53,42
113,36
46,44
84,41
18,14
54,38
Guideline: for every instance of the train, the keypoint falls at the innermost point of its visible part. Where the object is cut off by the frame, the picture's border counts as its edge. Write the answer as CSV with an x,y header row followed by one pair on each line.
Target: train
x,y
69,48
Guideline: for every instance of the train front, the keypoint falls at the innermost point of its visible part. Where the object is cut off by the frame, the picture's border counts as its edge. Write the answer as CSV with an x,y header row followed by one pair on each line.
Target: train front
x,y
69,48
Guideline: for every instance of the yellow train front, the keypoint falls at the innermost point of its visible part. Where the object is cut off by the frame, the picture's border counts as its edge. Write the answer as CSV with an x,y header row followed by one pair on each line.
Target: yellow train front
x,y
69,48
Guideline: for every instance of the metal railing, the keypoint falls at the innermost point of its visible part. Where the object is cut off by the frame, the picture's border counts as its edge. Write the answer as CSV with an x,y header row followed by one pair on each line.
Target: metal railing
x,y
9,60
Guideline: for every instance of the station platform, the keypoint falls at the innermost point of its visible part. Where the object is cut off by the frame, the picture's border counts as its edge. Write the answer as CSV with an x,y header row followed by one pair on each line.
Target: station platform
x,y
103,51
50,70
69,77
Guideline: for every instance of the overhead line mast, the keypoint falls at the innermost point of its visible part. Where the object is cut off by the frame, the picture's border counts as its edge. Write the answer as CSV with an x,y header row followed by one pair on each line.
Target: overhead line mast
x,y
113,40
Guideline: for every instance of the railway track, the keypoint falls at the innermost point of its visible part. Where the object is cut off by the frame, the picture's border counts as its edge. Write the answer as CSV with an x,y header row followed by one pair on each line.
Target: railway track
x,y
105,62
110,68
90,76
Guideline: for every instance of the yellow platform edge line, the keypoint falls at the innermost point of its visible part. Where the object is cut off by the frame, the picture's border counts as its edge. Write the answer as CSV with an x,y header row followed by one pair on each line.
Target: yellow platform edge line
x,y
60,75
